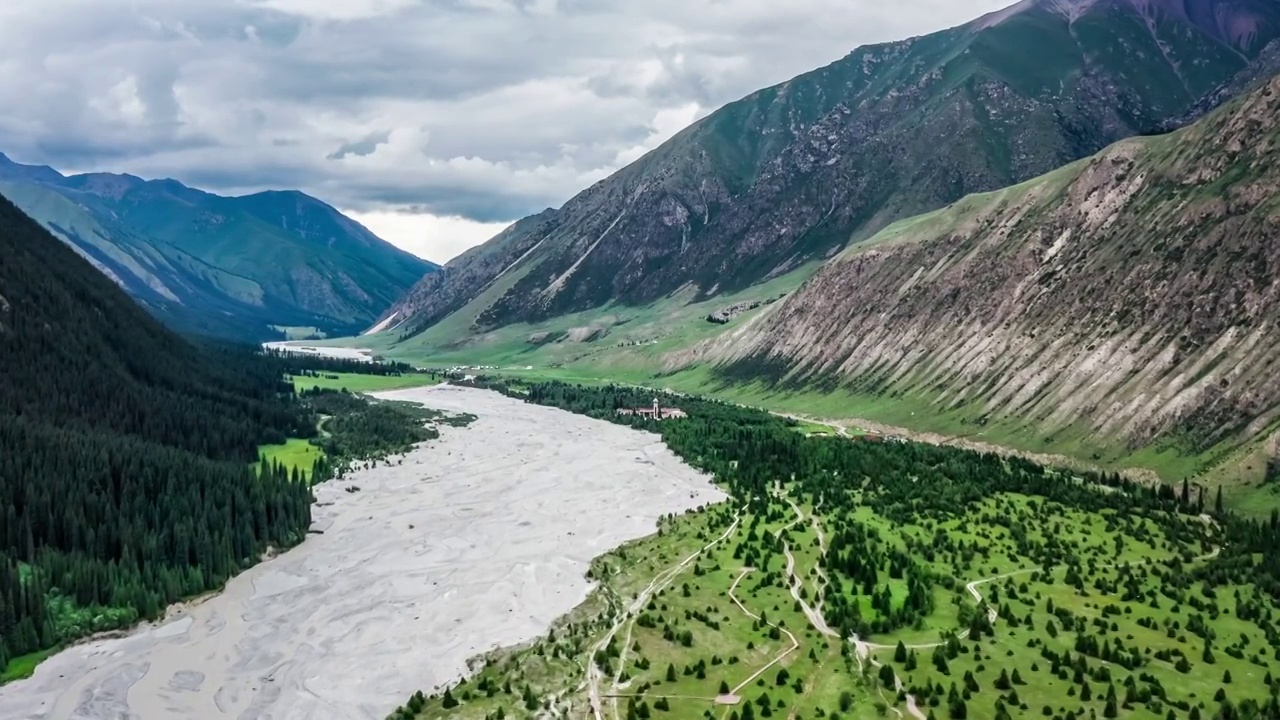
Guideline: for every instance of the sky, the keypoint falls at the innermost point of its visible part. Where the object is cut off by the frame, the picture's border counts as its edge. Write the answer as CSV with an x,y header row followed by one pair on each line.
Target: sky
x,y
434,122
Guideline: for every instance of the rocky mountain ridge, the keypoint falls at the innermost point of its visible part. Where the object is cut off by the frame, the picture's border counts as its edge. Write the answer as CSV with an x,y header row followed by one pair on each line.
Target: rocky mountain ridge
x,y
1132,296
795,172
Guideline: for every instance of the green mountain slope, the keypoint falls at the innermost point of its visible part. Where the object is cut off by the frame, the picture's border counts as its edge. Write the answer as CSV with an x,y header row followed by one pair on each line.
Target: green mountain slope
x,y
125,452
796,171
220,265
1125,301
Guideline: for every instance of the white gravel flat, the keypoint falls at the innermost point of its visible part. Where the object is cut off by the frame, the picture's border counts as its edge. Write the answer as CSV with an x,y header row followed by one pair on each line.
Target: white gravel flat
x,y
310,348
474,541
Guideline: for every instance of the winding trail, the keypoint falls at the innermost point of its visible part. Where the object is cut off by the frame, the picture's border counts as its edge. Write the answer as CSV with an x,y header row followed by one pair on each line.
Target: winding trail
x,y
659,582
864,651
795,643
795,593
815,617
819,585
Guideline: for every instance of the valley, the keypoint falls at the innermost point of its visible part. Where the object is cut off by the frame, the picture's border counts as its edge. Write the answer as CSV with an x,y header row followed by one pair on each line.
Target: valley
x,y
938,381
476,540
1046,317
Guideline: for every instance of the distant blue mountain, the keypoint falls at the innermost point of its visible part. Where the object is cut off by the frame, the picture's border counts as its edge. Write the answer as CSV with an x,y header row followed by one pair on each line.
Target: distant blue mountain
x,y
238,267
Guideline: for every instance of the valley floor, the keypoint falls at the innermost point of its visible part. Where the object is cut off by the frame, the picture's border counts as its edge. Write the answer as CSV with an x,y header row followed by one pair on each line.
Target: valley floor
x,y
894,580
477,540
697,631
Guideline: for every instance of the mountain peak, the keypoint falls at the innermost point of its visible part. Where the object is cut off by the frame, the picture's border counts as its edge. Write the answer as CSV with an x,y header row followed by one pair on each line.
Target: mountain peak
x,y
227,266
299,199
108,185
37,173
791,173
1244,25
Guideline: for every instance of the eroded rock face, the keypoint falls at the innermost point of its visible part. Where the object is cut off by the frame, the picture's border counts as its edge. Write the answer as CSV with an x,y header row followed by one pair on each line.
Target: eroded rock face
x,y
795,171
1138,292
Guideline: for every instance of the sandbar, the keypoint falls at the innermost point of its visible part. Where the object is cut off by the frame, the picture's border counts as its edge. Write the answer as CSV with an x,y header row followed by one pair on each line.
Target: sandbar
x,y
310,348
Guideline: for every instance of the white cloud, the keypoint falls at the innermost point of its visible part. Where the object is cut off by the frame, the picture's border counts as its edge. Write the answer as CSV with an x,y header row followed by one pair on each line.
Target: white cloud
x,y
479,109
438,239
666,123
334,9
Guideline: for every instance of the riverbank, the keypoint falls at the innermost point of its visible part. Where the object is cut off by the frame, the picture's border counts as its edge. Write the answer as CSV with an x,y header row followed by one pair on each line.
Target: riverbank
x,y
477,540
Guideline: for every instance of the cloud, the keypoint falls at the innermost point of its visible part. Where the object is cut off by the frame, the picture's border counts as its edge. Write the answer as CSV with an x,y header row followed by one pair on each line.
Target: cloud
x,y
438,239
483,110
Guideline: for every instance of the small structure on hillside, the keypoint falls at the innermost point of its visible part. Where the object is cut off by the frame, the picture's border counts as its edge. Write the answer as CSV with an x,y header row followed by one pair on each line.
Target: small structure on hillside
x,y
657,412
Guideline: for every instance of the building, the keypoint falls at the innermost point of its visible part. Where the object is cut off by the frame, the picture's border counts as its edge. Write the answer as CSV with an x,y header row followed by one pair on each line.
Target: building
x,y
657,412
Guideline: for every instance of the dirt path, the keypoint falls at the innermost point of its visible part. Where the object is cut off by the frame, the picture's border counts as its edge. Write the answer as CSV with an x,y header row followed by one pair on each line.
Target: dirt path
x,y
815,617
820,583
795,643
659,582
819,623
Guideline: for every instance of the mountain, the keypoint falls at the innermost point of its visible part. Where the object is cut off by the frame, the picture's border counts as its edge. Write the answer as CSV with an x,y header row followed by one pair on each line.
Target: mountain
x,y
1265,65
125,452
1127,299
227,266
794,172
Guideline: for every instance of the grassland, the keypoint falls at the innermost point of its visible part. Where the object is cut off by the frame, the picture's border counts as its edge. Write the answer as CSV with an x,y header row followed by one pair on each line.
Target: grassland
x,y
24,666
665,635
356,382
293,453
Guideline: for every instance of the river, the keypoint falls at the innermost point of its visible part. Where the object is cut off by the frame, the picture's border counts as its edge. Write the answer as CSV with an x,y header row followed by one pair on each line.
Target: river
x,y
477,540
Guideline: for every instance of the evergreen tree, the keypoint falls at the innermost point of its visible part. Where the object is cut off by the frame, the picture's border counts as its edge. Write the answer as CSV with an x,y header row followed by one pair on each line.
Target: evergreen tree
x,y
1003,682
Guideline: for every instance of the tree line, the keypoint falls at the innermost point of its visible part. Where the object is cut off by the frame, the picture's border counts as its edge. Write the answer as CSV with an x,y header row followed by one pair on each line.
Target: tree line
x,y
751,451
